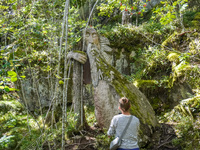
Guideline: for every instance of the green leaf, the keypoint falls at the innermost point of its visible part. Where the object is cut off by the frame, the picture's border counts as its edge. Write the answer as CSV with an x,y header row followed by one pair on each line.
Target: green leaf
x,y
12,73
13,79
13,89
173,16
77,40
6,89
175,3
14,6
58,77
23,76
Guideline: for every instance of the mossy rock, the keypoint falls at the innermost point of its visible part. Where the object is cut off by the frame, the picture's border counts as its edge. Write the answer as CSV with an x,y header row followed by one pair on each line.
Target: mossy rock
x,y
125,88
13,105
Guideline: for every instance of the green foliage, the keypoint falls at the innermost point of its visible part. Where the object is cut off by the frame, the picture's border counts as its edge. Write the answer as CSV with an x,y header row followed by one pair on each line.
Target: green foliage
x,y
169,11
124,36
6,142
153,27
13,122
150,62
193,76
187,131
185,118
13,105
32,37
29,39
183,69
103,141
136,8
191,19
196,20
22,131
90,115
12,75
6,80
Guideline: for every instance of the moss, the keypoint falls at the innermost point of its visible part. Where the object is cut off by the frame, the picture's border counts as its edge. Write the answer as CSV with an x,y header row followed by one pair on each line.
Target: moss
x,y
127,37
193,45
155,103
119,82
145,83
81,52
171,39
124,88
174,57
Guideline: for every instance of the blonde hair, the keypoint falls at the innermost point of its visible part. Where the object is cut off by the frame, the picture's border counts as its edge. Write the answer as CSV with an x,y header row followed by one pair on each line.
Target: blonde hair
x,y
124,104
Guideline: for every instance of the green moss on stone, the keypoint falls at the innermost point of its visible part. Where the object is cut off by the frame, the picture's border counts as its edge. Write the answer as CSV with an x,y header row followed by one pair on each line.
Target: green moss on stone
x,y
145,83
81,52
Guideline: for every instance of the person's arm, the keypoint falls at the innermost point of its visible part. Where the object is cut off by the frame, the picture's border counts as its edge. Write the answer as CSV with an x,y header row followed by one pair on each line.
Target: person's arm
x,y
112,128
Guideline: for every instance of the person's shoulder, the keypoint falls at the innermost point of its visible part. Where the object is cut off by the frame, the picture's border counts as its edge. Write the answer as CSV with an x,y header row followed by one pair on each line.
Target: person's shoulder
x,y
117,116
135,118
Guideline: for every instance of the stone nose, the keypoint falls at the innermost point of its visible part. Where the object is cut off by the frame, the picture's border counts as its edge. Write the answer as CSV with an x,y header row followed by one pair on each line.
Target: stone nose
x,y
90,39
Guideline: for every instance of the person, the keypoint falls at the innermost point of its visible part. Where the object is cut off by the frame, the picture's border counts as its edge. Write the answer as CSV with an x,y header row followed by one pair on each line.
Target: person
x,y
118,123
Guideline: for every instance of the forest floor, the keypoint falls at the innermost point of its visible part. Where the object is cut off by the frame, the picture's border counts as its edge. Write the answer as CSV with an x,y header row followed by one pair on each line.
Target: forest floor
x,y
83,140
90,139
180,132
86,141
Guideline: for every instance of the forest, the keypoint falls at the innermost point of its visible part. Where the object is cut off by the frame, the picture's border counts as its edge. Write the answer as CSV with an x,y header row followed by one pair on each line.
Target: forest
x,y
64,64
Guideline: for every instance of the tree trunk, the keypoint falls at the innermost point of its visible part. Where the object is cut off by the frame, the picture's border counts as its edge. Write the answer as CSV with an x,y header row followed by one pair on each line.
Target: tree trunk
x,y
77,96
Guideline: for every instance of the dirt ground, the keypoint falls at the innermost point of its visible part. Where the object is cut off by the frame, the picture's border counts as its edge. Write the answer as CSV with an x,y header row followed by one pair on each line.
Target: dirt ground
x,y
85,140
160,140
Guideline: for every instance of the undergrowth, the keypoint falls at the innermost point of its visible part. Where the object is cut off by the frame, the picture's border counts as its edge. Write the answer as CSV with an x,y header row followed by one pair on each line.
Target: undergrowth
x,y
185,119
17,128
21,131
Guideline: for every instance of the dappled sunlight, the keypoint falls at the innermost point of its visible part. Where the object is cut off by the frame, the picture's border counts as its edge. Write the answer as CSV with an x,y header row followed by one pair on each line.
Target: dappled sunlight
x,y
147,50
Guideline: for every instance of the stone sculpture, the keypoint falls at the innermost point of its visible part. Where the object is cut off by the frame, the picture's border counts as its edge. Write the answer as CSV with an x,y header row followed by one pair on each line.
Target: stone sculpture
x,y
125,17
109,85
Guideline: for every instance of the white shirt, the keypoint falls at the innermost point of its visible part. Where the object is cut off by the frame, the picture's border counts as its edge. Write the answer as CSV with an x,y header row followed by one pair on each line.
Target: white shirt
x,y
130,138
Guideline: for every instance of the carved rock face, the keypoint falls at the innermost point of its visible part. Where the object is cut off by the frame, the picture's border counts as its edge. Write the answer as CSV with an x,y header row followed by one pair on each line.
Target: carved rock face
x,y
92,37
99,43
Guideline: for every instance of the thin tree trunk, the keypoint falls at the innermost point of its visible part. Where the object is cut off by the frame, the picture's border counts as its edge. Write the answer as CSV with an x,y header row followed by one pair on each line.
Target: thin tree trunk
x,y
137,13
181,18
65,77
77,92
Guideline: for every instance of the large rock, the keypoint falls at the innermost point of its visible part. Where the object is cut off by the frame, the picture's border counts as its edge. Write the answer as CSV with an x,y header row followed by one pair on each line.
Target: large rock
x,y
37,91
109,85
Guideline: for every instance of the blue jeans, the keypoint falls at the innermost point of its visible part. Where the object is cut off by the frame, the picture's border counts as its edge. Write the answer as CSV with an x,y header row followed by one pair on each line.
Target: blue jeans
x,y
128,149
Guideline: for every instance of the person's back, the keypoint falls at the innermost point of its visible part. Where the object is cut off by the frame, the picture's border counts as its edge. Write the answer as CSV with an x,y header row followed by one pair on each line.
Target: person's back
x,y
118,123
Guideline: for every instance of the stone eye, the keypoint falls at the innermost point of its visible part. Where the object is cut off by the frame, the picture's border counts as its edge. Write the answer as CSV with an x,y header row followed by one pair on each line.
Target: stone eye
x,y
87,34
94,35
